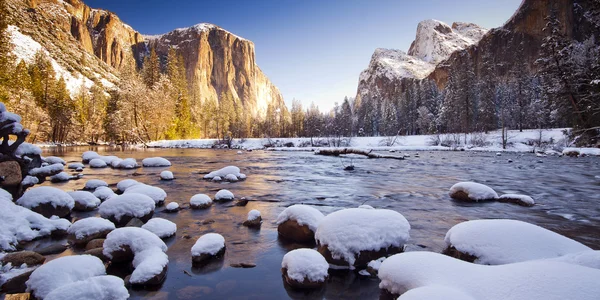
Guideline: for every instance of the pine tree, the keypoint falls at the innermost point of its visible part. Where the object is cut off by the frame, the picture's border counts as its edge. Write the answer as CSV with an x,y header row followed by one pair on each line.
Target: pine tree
x,y
151,69
297,118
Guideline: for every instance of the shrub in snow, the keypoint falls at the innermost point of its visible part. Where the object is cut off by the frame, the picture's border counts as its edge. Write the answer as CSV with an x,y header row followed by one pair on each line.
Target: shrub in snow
x,y
84,201
522,200
128,163
166,175
172,207
54,160
157,194
304,269
163,228
97,163
224,195
200,201
76,166
254,219
122,208
299,223
46,171
106,287
92,184
496,242
87,156
472,191
104,193
63,271
143,247
207,247
355,236
519,281
85,230
47,201
231,171
60,177
155,162
125,184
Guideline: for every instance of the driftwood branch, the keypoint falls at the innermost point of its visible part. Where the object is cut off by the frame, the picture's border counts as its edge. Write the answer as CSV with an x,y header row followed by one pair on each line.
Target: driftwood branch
x,y
341,151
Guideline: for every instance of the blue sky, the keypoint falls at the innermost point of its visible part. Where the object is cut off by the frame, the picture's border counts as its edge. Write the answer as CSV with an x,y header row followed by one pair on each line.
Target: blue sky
x,y
312,50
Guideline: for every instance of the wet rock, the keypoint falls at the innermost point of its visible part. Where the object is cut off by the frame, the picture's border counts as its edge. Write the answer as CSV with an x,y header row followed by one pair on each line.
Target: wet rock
x,y
97,252
16,284
155,280
243,265
48,210
10,172
95,243
304,285
83,241
204,258
123,254
23,257
52,249
254,223
242,202
20,296
293,231
453,252
135,222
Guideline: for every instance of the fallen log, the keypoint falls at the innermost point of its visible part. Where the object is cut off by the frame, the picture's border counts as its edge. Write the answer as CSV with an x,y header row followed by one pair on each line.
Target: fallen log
x,y
369,154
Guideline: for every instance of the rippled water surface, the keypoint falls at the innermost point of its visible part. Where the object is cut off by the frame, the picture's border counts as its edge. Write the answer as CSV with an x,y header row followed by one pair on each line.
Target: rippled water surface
x,y
566,190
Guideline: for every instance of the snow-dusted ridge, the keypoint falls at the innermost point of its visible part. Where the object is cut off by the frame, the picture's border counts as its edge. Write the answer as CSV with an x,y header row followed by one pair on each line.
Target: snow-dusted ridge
x,y
200,27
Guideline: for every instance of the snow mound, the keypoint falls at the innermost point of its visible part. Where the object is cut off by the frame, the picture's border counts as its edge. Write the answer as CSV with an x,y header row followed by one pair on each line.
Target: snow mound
x,y
128,163
55,160
106,287
519,281
45,171
109,159
590,259
131,204
209,243
157,194
84,200
93,184
305,264
366,206
104,193
89,155
89,226
474,191
97,163
303,215
231,177
224,195
60,177
200,200
253,215
172,206
45,195
63,271
496,242
163,228
29,181
435,292
5,195
217,178
26,149
522,199
19,224
125,184
166,175
76,166
156,162
224,172
347,232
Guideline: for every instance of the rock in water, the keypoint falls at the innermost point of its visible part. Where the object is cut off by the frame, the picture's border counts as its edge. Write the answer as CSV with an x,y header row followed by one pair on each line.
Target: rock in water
x,y
23,257
472,191
299,223
254,219
208,247
304,269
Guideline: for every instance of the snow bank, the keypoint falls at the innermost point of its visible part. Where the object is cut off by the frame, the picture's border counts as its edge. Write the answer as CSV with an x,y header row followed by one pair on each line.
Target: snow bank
x,y
224,195
104,193
304,264
200,200
93,184
157,194
210,243
347,232
497,242
89,226
63,271
131,204
232,171
519,281
473,191
166,175
303,215
163,228
155,162
97,163
45,195
84,200
106,287
55,160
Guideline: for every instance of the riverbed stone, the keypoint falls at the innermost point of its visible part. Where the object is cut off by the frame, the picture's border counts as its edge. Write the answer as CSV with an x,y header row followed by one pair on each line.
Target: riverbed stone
x,y
16,284
204,258
253,223
52,249
95,243
10,171
98,252
83,241
48,210
293,231
23,257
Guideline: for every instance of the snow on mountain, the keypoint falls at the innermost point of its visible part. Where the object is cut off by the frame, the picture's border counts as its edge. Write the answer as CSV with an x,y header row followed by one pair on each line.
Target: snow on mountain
x,y
436,40
394,64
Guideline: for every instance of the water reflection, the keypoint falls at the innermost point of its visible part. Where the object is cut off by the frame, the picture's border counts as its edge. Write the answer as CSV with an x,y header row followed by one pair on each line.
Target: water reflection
x,y
565,189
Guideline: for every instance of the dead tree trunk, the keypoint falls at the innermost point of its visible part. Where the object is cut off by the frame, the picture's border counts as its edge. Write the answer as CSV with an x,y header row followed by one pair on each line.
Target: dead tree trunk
x,y
341,151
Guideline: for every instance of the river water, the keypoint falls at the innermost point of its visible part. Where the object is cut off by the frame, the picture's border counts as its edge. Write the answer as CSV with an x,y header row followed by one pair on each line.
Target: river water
x,y
567,192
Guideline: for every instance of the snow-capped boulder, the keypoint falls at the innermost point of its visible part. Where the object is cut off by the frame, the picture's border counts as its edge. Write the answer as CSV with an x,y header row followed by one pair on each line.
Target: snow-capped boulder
x,y
590,259
93,184
125,184
231,178
496,242
87,156
76,166
166,175
55,160
299,223
518,281
200,201
143,248
84,200
304,269
114,163
472,191
172,207
254,219
85,230
63,271
217,179
353,237
374,265
105,287
157,194
45,171
155,162
522,200
122,208
97,163
224,195
109,159
366,206
47,201
207,247
29,181
224,172
60,177
128,163
163,228
104,193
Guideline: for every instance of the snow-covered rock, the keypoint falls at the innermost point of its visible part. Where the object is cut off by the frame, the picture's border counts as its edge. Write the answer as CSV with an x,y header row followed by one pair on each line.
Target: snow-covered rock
x,y
172,207
226,171
4,195
47,201
121,209
126,183
93,184
207,247
217,179
63,271
157,194
60,177
54,160
163,228
231,178
76,166
304,268
355,236
128,163
105,287
581,151
166,175
84,200
200,201
85,230
104,193
27,149
472,191
224,195
155,162
519,281
299,222
89,155
590,259
115,163
254,219
496,242
29,181
47,170
109,159
522,200
146,250
435,292
366,206
97,163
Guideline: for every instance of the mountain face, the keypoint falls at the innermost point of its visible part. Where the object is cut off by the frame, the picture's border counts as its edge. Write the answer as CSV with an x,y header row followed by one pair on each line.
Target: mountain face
x,y
90,46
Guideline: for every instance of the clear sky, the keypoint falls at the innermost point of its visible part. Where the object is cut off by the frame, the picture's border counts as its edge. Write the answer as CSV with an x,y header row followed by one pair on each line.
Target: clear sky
x,y
312,50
